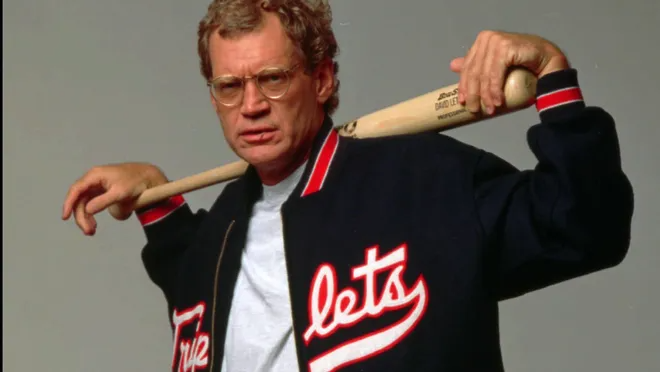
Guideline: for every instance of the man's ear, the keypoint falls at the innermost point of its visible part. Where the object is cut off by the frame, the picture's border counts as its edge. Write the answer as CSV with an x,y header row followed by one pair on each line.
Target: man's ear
x,y
325,80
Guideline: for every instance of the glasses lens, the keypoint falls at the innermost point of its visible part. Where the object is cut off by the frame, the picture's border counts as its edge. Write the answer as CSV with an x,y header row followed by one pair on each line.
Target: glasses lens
x,y
273,82
228,90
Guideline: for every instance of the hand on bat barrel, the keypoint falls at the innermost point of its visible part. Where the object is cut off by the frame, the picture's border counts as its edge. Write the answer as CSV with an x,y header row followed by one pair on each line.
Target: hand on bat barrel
x,y
116,185
484,67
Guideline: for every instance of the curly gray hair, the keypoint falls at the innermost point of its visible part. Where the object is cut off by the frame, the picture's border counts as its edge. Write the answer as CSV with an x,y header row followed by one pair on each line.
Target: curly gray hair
x,y
307,22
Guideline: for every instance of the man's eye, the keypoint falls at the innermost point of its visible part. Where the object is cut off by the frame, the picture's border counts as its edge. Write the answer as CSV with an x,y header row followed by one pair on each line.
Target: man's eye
x,y
229,85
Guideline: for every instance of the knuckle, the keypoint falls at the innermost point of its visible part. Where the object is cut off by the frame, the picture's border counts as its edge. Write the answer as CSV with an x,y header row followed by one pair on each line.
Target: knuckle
x,y
75,190
485,34
99,171
505,43
95,169
92,174
496,36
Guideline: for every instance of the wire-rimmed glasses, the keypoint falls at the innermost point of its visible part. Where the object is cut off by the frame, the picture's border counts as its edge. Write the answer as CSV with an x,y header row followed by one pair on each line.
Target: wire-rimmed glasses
x,y
272,82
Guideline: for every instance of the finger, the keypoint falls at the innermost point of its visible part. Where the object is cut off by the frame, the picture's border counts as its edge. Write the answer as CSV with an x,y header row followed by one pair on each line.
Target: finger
x,y
85,222
498,73
463,79
89,180
501,63
456,64
474,72
490,59
104,200
72,194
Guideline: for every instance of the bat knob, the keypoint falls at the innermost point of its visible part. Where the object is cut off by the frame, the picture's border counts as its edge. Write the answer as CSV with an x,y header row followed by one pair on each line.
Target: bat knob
x,y
120,212
520,88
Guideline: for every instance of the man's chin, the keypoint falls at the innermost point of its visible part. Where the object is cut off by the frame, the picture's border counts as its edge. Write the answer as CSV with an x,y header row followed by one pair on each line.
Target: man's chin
x,y
261,155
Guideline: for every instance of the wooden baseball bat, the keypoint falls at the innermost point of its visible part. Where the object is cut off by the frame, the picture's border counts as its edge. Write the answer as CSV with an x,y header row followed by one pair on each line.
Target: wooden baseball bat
x,y
434,111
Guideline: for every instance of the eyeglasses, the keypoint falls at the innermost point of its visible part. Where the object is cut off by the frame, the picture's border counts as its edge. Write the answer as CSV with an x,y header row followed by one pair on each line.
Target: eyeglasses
x,y
272,82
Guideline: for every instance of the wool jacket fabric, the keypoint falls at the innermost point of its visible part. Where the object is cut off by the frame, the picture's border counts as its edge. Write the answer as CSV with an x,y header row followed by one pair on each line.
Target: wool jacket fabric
x,y
400,248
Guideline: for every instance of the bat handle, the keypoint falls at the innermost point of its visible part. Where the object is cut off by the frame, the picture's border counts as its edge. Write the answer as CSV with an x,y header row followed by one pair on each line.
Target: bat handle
x,y
195,182
198,181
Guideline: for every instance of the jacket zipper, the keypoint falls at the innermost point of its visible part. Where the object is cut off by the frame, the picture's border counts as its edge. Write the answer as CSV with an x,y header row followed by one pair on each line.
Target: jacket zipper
x,y
215,292
286,262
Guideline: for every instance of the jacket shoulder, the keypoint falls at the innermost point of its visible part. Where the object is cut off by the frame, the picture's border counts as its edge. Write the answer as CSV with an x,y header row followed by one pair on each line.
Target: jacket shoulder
x,y
227,197
425,148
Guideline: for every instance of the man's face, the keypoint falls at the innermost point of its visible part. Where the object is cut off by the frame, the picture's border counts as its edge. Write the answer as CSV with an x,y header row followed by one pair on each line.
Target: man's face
x,y
269,133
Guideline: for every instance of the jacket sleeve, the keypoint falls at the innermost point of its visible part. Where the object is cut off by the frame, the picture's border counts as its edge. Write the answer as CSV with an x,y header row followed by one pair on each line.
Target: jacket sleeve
x,y
169,227
570,215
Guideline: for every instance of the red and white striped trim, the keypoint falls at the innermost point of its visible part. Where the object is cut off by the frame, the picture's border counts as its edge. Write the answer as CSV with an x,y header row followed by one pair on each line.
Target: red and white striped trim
x,y
558,98
322,163
156,214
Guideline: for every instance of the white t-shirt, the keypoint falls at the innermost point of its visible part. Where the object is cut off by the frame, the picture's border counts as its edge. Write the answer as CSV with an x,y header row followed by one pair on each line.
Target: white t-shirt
x,y
259,332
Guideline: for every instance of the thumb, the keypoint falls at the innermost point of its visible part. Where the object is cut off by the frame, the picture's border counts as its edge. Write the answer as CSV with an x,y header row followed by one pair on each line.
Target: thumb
x,y
456,64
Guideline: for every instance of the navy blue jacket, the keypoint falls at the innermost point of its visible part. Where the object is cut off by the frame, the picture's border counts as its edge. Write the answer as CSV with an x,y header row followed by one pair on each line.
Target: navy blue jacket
x,y
399,249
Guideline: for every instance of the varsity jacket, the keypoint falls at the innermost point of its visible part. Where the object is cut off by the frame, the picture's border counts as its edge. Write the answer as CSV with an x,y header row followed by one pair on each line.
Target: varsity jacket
x,y
399,249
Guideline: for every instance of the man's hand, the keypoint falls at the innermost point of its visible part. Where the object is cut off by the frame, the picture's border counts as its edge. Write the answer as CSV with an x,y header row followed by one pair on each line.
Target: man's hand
x,y
103,186
484,67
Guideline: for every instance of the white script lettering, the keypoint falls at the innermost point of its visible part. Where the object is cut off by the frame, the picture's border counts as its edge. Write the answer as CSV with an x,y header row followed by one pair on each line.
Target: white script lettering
x,y
330,311
193,354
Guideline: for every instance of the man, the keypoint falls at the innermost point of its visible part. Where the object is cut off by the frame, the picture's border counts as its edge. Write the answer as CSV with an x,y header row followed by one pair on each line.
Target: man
x,y
387,254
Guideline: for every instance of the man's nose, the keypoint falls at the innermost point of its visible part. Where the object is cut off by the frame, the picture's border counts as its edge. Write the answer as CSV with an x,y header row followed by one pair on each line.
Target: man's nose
x,y
254,102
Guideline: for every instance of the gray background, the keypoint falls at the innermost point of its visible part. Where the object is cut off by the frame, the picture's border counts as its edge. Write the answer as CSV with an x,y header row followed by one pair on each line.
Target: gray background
x,y
94,82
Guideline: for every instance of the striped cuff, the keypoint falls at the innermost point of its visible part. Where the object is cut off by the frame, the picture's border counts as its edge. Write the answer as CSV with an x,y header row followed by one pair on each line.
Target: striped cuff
x,y
157,212
558,95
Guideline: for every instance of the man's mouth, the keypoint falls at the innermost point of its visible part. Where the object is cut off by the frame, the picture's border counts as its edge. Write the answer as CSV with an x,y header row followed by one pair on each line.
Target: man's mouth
x,y
260,135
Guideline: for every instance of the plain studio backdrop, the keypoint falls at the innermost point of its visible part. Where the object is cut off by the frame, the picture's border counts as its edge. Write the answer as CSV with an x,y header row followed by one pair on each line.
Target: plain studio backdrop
x,y
96,82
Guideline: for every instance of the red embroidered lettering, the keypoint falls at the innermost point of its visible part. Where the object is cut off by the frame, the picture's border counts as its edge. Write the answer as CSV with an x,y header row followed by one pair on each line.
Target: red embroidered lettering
x,y
329,311
192,354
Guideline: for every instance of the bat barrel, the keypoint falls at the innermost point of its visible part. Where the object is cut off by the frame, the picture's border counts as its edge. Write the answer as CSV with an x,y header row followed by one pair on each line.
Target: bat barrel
x,y
440,110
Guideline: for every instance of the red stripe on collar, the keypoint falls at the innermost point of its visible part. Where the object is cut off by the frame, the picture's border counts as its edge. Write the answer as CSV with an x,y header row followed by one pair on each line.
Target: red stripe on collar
x,y
322,164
